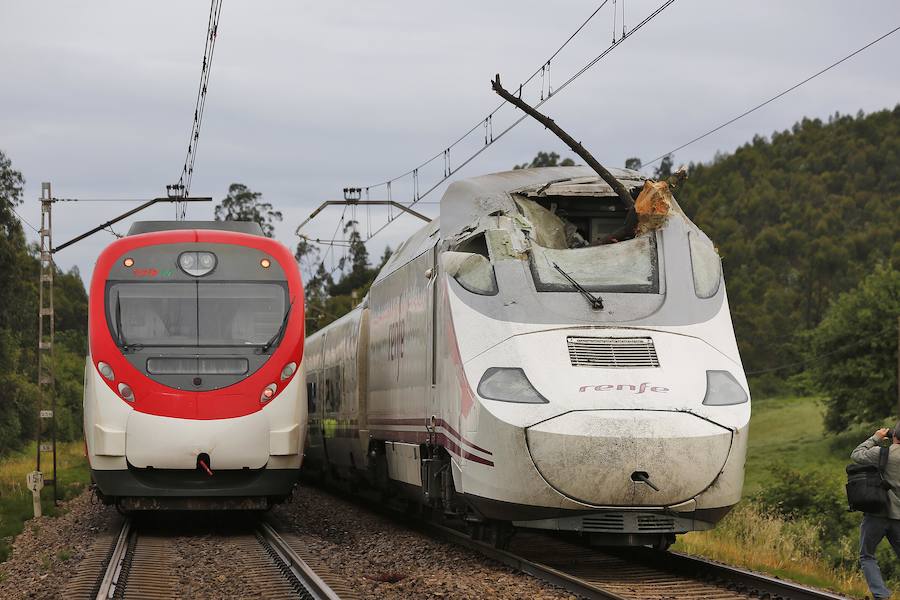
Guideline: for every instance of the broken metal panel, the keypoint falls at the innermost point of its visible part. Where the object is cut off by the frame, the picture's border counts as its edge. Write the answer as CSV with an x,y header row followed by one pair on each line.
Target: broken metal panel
x,y
548,230
506,243
585,186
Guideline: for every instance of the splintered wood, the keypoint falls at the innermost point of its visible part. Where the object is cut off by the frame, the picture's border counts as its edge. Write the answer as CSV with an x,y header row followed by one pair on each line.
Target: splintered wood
x,y
652,206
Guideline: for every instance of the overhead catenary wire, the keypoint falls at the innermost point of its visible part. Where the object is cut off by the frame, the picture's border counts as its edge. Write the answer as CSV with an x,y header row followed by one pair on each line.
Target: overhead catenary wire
x,y
774,98
481,122
22,219
487,122
183,187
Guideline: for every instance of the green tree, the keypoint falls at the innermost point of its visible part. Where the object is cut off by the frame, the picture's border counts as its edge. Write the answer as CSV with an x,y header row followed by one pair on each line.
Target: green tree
x,y
546,159
854,351
799,218
242,204
18,329
633,163
664,170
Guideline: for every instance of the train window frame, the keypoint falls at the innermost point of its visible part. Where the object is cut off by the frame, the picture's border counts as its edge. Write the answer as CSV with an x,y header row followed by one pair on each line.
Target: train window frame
x,y
653,287
109,309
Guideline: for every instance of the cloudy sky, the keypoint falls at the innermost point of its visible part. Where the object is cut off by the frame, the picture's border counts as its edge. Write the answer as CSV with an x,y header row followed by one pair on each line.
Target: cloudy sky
x,y
307,98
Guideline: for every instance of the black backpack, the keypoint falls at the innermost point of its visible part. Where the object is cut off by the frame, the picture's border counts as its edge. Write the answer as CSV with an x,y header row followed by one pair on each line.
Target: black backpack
x,y
867,491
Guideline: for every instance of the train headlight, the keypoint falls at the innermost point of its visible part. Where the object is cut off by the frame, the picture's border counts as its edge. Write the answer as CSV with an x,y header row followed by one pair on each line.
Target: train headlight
x,y
197,264
125,392
508,385
106,371
722,389
268,393
288,370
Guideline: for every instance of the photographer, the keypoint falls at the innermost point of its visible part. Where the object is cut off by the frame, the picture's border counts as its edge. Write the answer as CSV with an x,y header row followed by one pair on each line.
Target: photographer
x,y
875,527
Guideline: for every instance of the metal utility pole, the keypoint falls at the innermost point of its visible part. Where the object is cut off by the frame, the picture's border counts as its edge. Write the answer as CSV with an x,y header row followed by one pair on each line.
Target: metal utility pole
x,y
46,424
46,330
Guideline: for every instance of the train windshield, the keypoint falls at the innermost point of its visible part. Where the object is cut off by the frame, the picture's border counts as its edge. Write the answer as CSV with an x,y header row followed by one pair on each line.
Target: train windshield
x,y
628,266
195,313
567,243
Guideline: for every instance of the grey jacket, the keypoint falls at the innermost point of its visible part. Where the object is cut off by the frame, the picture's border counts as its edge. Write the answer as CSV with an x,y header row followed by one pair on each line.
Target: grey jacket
x,y
867,454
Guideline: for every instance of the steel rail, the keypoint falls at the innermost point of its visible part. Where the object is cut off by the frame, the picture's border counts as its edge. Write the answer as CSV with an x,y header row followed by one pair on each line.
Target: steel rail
x,y
762,584
298,568
553,576
751,583
110,579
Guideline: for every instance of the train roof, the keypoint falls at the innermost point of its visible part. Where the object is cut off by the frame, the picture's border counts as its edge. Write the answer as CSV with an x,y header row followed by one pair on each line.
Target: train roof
x,y
248,227
467,202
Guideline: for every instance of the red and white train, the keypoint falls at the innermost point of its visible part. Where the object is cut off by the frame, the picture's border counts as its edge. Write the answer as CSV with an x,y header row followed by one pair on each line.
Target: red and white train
x,y
193,389
508,369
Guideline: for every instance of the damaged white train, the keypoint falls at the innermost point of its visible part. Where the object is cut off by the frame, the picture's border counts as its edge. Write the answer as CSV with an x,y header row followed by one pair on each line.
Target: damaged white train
x,y
511,371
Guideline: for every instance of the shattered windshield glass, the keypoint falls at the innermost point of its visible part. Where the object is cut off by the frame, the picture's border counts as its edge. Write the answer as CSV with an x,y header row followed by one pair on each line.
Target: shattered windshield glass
x,y
629,266
568,235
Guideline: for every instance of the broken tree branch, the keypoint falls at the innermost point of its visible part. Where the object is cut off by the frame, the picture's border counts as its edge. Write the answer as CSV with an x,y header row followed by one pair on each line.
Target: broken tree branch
x,y
576,147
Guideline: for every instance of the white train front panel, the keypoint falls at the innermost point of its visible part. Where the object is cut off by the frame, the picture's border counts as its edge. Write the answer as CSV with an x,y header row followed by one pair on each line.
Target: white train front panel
x,y
627,421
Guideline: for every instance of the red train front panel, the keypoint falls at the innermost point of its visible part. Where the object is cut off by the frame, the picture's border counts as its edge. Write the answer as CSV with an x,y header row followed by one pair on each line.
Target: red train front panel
x,y
193,386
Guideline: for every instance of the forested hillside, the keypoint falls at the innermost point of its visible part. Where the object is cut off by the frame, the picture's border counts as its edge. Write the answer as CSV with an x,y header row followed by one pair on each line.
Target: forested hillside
x,y
19,270
799,218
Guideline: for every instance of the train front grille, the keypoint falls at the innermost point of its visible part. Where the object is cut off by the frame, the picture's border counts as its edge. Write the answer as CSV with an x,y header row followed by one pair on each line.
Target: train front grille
x,y
612,353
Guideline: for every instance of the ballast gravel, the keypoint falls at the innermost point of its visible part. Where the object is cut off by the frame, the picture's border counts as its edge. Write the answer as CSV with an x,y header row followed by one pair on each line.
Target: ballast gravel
x,y
382,559
374,555
47,552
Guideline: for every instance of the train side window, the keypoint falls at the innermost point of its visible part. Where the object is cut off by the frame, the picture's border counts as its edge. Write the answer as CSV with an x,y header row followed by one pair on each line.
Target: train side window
x,y
705,265
470,265
311,397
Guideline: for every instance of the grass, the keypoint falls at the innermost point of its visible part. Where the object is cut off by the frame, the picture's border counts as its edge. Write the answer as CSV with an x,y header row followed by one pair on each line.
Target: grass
x,y
791,430
15,498
750,538
788,430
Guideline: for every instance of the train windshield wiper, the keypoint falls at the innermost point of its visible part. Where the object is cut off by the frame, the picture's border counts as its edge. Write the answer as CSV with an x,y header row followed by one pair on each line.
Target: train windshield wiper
x,y
267,345
596,302
119,333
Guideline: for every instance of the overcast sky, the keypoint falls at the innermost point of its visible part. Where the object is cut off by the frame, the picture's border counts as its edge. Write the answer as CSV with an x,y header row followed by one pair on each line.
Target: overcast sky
x,y
307,98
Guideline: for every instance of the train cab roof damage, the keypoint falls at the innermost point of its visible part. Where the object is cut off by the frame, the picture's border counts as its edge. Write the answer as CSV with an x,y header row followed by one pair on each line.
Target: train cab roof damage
x,y
554,212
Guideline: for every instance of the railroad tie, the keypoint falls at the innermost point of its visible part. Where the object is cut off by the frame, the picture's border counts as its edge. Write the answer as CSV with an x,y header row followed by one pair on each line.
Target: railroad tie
x,y
150,572
90,570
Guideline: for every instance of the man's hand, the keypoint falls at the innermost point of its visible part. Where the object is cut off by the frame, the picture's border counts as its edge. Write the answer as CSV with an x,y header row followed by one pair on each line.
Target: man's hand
x,y
882,433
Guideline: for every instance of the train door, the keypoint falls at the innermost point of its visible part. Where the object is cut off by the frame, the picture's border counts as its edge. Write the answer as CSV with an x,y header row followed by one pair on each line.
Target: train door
x,y
432,405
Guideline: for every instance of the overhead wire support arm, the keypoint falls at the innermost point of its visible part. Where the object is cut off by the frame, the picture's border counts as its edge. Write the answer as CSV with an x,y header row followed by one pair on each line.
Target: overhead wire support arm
x,y
328,203
126,215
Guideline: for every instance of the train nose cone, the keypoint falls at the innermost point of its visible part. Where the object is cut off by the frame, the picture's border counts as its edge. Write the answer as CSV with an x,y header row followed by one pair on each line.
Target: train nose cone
x,y
592,456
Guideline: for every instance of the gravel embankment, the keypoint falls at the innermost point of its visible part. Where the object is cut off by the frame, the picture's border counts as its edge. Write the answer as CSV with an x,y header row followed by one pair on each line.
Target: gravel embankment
x,y
49,549
375,555
382,559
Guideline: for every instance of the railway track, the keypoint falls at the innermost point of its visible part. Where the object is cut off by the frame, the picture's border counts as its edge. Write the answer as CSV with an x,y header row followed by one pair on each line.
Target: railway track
x,y
631,574
139,562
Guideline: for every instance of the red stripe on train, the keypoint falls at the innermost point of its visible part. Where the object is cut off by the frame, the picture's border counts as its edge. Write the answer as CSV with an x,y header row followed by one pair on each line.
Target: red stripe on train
x,y
438,423
420,437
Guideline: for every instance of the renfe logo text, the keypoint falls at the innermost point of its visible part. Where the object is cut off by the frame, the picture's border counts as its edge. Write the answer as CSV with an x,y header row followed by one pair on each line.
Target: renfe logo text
x,y
636,389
